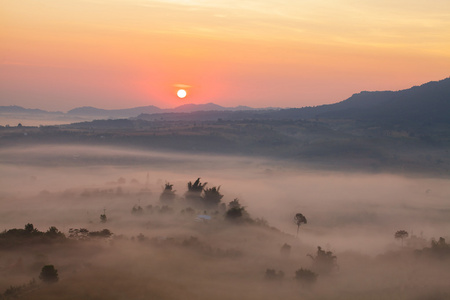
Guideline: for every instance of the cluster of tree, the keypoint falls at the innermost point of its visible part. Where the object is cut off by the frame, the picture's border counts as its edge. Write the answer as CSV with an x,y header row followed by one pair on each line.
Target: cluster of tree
x,y
324,262
197,195
29,234
236,212
164,209
84,234
16,237
137,210
305,277
439,249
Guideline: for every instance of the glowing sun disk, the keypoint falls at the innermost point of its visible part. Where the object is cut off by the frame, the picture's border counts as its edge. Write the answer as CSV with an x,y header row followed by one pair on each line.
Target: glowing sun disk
x,y
181,93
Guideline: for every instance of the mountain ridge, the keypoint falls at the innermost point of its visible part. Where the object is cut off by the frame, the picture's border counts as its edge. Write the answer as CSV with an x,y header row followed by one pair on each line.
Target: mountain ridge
x,y
429,102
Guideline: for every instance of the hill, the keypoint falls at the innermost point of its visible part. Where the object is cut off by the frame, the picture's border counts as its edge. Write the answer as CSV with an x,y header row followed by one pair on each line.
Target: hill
x,y
428,103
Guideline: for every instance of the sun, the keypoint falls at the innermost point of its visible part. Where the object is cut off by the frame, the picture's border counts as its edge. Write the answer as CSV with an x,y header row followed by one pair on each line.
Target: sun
x,y
181,93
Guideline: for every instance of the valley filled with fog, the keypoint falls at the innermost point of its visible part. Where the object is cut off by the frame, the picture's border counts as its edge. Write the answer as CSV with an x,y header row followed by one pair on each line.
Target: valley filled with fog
x,y
174,250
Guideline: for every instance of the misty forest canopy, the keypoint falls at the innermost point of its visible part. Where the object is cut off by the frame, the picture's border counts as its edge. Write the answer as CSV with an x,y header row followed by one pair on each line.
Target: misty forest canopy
x,y
210,220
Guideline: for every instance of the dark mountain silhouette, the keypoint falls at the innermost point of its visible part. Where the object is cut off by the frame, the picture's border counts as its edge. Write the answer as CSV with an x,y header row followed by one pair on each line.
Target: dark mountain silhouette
x,y
93,112
429,102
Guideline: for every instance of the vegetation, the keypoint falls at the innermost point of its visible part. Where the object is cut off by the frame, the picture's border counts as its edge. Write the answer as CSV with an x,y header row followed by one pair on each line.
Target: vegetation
x,y
137,210
168,195
324,262
401,235
236,212
49,274
305,277
199,249
272,274
439,249
103,217
364,144
285,250
193,194
14,292
212,197
29,235
299,219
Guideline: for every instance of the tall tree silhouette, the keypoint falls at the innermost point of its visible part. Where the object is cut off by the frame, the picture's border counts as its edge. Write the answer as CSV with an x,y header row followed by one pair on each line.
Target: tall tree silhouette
x,y
193,195
212,197
299,219
401,235
168,194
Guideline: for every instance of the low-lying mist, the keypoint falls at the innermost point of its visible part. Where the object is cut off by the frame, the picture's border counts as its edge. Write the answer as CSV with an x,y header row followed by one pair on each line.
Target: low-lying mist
x,y
173,251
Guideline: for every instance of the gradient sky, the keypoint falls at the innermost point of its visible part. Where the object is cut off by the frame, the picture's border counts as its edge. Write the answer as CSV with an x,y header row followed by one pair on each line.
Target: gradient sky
x,y
61,54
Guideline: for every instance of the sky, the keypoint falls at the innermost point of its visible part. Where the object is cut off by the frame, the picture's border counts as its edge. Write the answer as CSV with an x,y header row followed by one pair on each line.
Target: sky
x,y
61,54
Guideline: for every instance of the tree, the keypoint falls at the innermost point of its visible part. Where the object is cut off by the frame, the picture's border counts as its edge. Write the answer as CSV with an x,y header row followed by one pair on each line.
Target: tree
x,y
285,250
137,210
103,217
54,233
324,261
29,228
400,235
49,274
78,234
305,277
105,233
299,219
168,194
193,195
271,274
235,211
196,187
212,197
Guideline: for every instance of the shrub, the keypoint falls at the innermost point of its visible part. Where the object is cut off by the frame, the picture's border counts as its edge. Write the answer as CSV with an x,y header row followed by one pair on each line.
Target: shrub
x,y
49,274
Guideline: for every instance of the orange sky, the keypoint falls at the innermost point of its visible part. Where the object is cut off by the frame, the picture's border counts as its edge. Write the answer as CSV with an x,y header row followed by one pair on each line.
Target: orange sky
x,y
61,54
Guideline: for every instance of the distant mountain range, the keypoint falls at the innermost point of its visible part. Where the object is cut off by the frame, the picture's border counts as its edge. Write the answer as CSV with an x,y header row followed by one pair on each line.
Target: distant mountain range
x,y
14,109
93,112
427,103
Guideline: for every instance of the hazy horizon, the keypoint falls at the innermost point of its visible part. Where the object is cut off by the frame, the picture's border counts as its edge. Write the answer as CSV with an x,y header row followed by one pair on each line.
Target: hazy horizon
x,y
225,106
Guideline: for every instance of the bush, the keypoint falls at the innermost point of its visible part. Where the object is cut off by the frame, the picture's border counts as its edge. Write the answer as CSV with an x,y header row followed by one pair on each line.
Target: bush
x,y
49,274
305,276
271,274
